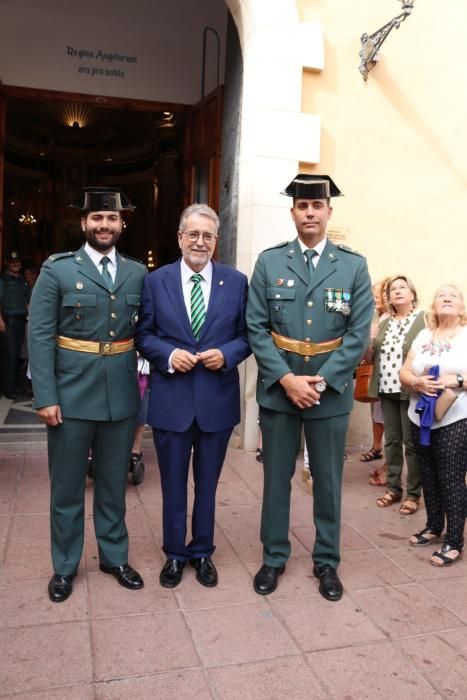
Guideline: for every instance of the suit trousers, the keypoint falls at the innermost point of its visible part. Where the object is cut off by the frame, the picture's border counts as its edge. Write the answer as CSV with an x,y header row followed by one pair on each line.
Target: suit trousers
x,y
396,435
69,446
173,454
325,440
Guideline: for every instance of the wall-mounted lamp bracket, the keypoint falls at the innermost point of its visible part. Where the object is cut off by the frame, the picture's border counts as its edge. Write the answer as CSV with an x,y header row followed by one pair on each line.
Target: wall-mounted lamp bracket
x,y
371,43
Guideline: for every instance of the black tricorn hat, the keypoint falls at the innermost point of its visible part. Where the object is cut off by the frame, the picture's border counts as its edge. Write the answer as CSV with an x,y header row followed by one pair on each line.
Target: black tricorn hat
x,y
102,199
13,257
305,186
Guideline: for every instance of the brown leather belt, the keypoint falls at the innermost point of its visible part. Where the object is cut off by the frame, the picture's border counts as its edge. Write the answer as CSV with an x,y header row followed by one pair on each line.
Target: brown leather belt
x,y
301,347
95,346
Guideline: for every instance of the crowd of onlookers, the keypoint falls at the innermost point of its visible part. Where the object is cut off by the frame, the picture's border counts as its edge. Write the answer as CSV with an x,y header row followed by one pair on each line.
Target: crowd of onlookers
x,y
418,386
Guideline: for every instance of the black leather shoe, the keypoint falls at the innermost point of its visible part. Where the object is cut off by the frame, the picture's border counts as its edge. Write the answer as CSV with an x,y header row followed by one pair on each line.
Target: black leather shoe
x,y
60,587
125,575
265,581
171,573
330,585
206,572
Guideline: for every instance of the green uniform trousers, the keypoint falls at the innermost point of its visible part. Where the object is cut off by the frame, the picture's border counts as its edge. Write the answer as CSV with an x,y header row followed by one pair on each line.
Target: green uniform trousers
x,y
325,439
69,446
397,433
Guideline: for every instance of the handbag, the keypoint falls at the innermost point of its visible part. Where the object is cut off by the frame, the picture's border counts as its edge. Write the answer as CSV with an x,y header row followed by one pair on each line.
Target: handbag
x,y
363,375
444,403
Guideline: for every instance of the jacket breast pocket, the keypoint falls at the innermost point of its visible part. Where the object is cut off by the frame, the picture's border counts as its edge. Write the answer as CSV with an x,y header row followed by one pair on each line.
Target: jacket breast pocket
x,y
79,310
133,302
281,304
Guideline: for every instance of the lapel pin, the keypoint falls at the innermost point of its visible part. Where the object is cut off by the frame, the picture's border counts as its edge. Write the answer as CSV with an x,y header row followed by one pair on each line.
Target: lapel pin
x,y
280,282
331,255
79,285
78,258
290,283
291,251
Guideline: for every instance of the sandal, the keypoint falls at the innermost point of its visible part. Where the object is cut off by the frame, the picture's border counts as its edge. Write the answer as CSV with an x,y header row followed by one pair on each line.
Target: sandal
x,y
439,558
378,476
409,506
388,499
371,455
425,536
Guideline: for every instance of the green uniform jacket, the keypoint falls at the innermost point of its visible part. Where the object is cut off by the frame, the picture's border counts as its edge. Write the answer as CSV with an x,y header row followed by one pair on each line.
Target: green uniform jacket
x,y
14,294
418,325
284,298
70,298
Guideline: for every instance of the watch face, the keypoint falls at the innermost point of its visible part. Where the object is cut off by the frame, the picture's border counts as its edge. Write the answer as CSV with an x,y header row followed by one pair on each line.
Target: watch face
x,y
320,386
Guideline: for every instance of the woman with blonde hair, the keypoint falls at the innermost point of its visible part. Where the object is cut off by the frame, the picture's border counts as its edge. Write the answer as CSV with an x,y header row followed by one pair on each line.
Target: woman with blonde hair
x,y
390,348
443,461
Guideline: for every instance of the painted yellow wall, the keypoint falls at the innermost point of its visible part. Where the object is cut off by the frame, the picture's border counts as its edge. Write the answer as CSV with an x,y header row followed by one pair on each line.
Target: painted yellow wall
x,y
396,145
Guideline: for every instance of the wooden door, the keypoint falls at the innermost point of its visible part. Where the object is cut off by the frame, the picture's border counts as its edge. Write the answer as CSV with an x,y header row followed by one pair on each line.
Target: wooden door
x,y
202,150
2,164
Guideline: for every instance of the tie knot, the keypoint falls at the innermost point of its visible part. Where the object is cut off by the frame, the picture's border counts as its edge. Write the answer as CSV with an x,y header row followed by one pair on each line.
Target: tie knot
x,y
310,253
196,278
105,261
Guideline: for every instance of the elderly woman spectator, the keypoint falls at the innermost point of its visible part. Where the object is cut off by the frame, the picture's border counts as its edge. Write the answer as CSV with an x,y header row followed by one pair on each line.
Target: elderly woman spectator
x,y
443,461
391,345
377,477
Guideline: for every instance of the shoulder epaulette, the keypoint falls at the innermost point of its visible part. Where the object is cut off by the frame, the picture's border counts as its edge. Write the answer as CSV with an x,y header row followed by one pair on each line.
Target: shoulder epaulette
x,y
346,249
278,245
128,257
60,256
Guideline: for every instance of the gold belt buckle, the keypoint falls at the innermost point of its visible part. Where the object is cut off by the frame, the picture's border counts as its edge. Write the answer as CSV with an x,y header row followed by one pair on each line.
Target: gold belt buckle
x,y
105,349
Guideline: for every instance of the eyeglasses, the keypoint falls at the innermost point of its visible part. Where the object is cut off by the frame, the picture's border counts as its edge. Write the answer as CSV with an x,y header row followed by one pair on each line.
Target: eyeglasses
x,y
193,236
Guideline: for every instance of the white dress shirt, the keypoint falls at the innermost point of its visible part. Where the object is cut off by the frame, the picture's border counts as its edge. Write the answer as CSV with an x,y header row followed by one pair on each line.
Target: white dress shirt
x,y
187,286
96,258
319,247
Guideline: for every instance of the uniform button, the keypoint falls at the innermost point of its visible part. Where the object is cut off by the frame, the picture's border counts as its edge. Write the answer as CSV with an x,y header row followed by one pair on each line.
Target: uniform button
x,y
112,333
309,304
278,296
306,358
78,305
346,384
308,340
113,314
113,297
309,322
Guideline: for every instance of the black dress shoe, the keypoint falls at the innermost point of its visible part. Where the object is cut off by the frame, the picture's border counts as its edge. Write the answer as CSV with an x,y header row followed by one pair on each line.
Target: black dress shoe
x,y
330,585
60,587
171,573
206,572
125,575
265,581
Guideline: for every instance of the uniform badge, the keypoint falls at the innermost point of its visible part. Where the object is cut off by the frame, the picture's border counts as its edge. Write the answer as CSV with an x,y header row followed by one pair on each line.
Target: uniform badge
x,y
280,282
290,283
134,318
79,285
277,307
78,258
346,295
338,302
329,299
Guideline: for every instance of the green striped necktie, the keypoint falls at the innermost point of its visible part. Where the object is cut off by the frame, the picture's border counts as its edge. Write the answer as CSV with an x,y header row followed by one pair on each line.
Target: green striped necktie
x,y
310,254
198,310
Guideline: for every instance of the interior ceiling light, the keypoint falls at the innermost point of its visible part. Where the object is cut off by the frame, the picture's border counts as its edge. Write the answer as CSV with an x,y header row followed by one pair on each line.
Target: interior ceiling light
x,y
27,219
75,115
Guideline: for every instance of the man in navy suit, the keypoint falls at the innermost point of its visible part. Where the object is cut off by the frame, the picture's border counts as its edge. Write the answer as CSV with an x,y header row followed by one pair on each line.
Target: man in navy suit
x,y
192,329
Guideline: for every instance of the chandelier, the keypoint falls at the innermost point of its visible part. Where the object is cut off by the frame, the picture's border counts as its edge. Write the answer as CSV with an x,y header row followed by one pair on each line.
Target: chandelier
x,y
27,219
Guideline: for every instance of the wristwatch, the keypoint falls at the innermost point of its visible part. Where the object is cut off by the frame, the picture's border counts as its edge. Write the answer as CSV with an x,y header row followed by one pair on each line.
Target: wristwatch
x,y
460,380
320,386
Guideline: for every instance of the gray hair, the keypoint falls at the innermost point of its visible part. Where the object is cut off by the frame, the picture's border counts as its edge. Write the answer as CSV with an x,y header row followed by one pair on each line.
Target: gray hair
x,y
201,210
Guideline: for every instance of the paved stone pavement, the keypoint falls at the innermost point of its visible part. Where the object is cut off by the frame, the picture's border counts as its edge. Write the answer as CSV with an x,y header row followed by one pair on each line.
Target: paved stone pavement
x,y
400,630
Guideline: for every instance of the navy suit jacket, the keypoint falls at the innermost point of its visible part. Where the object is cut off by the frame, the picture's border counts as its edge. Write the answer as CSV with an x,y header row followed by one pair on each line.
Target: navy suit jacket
x,y
210,397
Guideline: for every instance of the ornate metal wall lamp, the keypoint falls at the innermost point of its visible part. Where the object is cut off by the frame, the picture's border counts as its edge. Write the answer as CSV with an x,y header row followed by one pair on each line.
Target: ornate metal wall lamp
x,y
371,44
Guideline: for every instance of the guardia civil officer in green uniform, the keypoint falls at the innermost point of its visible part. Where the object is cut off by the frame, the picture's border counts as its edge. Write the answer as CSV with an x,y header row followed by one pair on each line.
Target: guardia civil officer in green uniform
x,y
83,314
14,301
309,312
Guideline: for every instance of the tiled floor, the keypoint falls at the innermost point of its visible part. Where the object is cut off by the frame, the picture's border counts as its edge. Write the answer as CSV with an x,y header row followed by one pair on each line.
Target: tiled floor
x,y
399,632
